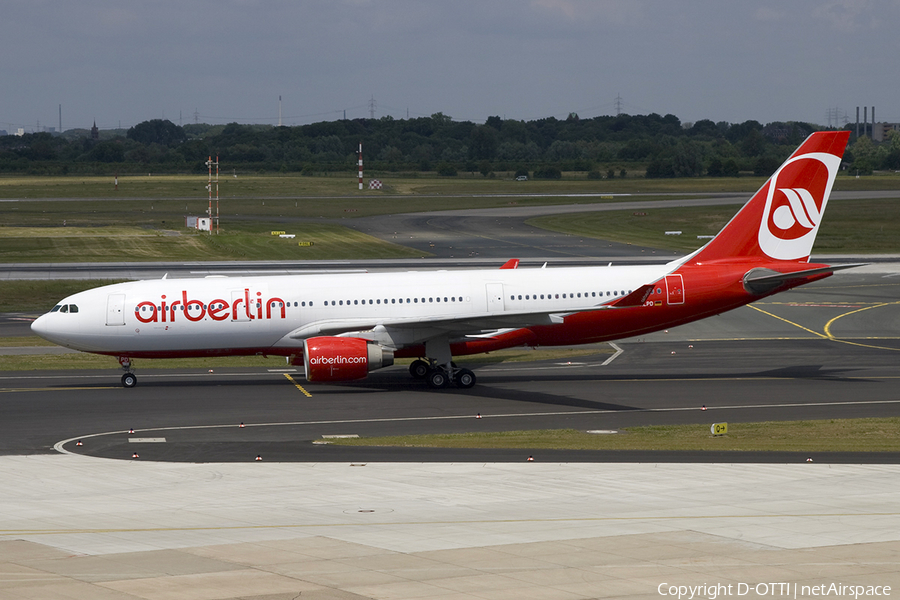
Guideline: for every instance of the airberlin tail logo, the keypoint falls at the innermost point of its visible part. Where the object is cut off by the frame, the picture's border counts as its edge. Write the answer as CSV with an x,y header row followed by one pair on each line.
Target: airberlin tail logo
x,y
795,200
801,210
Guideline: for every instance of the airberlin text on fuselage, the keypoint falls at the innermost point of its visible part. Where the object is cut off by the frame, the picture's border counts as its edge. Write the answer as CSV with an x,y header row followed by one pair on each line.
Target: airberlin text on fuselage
x,y
217,309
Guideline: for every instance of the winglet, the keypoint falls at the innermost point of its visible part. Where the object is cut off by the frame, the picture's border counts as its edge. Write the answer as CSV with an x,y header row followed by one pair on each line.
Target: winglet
x,y
511,264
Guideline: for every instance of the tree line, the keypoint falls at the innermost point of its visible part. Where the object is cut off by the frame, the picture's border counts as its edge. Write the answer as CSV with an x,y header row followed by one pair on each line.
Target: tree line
x,y
601,147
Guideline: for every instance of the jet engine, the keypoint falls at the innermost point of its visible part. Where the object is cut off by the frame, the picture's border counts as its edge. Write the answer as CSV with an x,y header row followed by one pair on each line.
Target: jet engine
x,y
343,359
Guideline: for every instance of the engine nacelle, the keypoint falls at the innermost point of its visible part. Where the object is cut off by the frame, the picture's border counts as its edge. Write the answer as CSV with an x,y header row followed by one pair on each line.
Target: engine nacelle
x,y
343,359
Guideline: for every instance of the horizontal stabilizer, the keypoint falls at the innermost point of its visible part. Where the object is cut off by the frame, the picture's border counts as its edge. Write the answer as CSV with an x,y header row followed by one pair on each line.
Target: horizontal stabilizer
x,y
762,281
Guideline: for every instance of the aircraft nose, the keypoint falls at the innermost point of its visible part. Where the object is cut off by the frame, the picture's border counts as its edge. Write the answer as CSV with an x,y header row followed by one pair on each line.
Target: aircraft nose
x,y
39,326
45,327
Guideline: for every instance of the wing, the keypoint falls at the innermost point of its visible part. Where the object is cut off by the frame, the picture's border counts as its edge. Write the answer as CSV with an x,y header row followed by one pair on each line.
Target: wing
x,y
462,325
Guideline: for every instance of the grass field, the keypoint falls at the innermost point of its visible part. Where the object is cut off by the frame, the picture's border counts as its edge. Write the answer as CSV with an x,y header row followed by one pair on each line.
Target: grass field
x,y
835,435
39,296
242,242
849,226
144,219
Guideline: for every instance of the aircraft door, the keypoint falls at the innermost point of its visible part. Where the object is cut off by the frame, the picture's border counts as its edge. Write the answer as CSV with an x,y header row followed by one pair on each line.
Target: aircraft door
x,y
115,309
675,289
494,297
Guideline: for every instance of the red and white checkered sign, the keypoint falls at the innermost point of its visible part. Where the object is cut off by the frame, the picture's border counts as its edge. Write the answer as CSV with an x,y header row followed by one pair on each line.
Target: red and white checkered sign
x,y
374,184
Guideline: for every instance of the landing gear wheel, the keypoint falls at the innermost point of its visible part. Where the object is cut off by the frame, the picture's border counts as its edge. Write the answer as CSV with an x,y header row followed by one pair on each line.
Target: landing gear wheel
x,y
438,379
129,380
419,369
464,379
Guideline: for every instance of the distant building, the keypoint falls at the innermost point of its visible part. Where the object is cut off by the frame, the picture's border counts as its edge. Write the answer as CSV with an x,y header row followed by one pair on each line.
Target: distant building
x,y
95,133
3,132
880,130
777,133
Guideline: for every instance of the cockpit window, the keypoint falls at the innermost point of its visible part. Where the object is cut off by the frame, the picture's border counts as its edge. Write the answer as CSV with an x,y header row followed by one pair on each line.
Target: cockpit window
x,y
73,308
56,308
64,309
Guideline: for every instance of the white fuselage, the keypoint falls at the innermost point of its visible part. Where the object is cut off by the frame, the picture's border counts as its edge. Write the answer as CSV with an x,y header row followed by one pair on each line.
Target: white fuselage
x,y
273,314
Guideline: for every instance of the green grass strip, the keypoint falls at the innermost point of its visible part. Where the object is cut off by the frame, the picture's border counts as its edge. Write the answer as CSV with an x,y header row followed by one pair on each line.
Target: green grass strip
x,y
835,435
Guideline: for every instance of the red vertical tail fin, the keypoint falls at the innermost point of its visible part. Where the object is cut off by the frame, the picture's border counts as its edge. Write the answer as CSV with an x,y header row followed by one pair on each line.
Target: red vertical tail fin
x,y
781,220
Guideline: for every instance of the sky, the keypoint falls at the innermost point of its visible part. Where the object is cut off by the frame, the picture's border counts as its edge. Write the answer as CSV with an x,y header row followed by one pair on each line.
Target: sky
x,y
123,62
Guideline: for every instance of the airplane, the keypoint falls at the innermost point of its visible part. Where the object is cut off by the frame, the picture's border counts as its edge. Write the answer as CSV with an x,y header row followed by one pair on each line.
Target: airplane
x,y
341,326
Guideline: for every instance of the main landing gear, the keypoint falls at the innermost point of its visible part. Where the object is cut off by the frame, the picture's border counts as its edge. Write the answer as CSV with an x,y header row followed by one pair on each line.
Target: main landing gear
x,y
440,376
129,379
438,369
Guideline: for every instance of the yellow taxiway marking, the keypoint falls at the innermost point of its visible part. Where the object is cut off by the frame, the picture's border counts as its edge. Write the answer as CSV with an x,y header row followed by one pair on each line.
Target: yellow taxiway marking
x,y
298,386
765,312
827,335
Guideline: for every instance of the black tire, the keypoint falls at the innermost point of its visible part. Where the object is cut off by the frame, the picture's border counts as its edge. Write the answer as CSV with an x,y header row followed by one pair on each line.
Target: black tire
x,y
438,379
129,380
419,369
465,379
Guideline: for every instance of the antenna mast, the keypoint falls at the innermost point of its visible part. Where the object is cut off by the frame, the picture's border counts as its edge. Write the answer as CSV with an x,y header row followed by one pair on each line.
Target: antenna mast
x,y
360,166
209,187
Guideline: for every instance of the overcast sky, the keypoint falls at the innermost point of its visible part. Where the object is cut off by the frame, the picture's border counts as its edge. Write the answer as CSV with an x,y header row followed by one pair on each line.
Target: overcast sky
x,y
123,62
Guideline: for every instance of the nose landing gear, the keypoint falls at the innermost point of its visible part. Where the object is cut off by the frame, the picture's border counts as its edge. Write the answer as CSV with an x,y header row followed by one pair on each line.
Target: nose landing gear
x,y
129,379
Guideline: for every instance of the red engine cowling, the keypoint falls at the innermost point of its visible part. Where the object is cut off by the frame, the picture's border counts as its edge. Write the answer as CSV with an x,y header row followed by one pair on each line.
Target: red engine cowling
x,y
343,359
